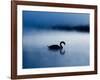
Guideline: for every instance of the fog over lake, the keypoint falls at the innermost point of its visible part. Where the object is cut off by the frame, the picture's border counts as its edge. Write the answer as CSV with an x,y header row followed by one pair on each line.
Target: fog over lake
x,y
37,55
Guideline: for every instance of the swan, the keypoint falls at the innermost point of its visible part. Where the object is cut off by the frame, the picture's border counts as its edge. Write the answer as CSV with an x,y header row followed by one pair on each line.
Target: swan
x,y
57,47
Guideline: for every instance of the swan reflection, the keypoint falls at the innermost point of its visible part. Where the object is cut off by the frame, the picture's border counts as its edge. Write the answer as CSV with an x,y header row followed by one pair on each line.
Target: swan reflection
x,y
62,52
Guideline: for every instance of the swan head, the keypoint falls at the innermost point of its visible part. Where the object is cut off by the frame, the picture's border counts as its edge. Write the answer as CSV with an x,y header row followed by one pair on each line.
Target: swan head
x,y
62,42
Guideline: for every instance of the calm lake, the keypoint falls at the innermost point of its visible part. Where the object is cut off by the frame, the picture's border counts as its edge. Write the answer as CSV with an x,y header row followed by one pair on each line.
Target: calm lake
x,y
37,55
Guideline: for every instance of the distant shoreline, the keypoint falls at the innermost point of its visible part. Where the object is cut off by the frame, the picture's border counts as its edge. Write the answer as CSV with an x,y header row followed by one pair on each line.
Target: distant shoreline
x,y
80,28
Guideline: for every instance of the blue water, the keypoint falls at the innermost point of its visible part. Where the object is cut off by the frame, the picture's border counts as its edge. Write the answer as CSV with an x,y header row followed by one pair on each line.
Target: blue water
x,y
37,55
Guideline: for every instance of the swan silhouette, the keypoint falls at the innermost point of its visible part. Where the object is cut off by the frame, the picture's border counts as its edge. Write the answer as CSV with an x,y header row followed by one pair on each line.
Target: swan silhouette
x,y
57,47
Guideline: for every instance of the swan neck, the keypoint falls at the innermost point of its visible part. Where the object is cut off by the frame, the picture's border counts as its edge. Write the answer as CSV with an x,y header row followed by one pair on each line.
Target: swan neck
x,y
61,45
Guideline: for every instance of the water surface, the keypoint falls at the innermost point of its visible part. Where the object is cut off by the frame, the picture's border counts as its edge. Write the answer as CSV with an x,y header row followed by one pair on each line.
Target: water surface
x,y
37,55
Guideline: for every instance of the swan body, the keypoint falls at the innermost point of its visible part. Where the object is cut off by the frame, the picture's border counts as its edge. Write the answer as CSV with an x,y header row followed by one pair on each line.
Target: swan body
x,y
56,47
